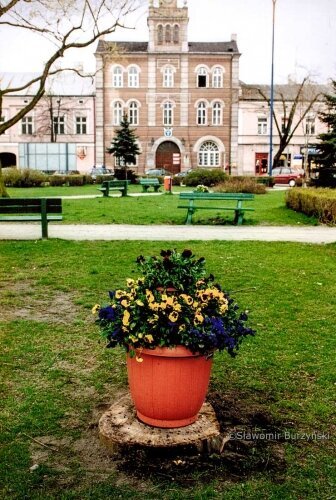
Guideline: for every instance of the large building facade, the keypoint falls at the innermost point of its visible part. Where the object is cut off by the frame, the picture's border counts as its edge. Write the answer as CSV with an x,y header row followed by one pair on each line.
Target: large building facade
x,y
180,96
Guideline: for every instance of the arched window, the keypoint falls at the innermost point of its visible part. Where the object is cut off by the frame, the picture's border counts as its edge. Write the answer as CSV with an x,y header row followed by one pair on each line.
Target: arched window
x,y
216,113
160,34
202,76
168,77
202,113
133,77
117,113
168,33
133,113
117,77
208,155
168,113
217,78
176,34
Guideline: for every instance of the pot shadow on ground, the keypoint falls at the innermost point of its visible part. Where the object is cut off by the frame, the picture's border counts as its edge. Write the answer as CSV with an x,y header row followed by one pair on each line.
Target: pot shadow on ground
x,y
243,455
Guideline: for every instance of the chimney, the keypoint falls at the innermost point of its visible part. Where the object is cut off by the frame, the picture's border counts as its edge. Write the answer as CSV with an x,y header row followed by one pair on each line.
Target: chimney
x,y
233,37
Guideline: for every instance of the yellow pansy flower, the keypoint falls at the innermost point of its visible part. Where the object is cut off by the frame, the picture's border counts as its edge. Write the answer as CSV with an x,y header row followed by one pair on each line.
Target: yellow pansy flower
x,y
139,303
198,318
187,299
119,294
126,318
95,308
149,338
173,316
124,303
130,282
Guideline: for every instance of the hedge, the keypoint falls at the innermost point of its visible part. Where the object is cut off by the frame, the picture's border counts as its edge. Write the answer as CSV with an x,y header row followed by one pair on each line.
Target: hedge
x,y
15,177
320,203
240,185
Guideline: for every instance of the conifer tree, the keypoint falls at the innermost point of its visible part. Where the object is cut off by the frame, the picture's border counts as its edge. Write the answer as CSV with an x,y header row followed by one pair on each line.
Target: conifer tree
x,y
327,146
124,145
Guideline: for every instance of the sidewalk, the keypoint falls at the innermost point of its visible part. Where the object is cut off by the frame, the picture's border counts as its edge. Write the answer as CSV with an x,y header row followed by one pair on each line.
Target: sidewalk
x,y
108,232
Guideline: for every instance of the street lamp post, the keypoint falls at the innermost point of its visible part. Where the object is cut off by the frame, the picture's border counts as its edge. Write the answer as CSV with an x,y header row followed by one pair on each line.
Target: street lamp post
x,y
270,163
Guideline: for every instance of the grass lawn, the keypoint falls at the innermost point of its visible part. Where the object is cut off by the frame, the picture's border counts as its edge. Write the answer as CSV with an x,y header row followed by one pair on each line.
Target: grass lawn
x,y
57,378
269,208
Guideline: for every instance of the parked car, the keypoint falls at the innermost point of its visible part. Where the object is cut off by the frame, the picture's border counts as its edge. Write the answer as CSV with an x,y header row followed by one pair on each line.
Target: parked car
x,y
157,172
184,173
100,171
286,175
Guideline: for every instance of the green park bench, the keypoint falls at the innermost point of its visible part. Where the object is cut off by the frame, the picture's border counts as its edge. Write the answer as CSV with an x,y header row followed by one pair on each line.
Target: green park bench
x,y
31,209
114,185
147,183
194,199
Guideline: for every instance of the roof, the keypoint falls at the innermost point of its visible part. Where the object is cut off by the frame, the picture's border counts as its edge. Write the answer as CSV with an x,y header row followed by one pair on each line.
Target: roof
x,y
194,47
66,83
252,92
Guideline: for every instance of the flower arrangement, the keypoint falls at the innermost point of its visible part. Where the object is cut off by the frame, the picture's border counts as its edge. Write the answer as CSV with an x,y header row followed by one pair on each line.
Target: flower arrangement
x,y
201,189
173,303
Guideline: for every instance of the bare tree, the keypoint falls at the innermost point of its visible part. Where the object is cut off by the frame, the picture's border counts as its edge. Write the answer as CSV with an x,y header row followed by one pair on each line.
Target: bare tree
x,y
66,25
296,102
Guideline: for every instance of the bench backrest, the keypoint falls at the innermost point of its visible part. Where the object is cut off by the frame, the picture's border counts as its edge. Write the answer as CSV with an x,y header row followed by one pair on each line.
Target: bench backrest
x,y
216,196
116,183
30,205
149,181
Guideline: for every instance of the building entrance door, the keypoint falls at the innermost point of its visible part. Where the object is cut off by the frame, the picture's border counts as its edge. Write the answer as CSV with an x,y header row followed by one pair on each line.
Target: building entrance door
x,y
168,156
261,163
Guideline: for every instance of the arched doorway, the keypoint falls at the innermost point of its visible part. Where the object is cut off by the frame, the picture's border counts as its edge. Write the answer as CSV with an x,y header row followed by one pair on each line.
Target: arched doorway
x,y
7,160
168,156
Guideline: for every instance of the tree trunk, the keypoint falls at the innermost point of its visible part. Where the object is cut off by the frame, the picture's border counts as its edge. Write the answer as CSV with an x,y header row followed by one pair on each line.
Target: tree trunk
x,y
3,190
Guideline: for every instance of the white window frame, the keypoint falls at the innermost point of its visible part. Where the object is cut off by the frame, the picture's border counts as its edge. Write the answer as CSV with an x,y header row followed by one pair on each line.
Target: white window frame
x,y
27,125
201,72
217,77
168,114
59,125
133,113
202,114
133,77
209,155
117,113
262,125
168,77
217,115
310,126
117,77
81,125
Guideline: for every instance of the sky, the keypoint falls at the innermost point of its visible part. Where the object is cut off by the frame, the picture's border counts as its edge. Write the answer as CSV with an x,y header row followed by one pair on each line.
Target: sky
x,y
305,38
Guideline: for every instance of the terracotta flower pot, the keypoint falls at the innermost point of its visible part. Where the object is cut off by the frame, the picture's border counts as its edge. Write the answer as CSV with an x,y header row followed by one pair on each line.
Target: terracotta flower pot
x,y
168,386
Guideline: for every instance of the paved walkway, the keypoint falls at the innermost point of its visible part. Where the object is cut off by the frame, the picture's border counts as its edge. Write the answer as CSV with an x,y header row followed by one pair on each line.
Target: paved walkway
x,y
301,234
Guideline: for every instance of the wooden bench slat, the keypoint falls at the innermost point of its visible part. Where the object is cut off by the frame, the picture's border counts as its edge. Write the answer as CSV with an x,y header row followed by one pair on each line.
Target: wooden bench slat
x,y
114,185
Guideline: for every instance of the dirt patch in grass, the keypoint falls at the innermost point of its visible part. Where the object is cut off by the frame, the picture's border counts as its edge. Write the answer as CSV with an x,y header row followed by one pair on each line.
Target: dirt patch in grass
x,y
21,301
240,459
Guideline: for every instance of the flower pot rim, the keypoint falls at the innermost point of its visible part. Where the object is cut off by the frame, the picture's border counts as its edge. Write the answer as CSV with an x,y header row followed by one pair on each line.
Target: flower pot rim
x,y
179,351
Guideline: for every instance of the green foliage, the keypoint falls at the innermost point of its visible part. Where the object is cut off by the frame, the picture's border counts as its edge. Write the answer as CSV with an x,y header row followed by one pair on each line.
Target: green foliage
x,y
240,185
327,146
320,203
207,177
120,174
173,303
23,178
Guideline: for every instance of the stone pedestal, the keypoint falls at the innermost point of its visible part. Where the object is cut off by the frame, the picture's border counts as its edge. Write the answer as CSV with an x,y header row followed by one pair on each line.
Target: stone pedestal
x,y
120,426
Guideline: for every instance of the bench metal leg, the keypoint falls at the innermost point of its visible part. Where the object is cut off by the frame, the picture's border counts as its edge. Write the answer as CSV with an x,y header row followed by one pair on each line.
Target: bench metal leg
x,y
190,212
44,219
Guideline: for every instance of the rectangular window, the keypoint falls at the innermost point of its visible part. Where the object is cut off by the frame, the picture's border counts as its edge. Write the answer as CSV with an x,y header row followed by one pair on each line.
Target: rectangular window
x,y
310,126
202,80
262,126
81,125
59,125
168,115
27,125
